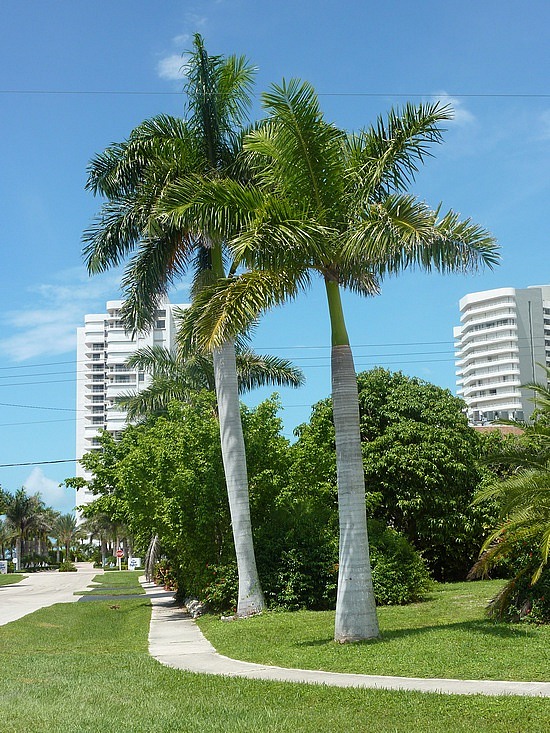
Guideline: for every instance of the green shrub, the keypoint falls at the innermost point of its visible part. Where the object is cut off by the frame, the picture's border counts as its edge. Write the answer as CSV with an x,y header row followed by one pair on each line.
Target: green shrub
x,y
67,567
520,600
399,573
220,593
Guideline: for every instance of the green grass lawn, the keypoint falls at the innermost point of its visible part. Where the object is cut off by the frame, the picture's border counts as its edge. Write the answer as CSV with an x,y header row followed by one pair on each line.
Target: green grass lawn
x,y
84,668
446,636
122,583
11,578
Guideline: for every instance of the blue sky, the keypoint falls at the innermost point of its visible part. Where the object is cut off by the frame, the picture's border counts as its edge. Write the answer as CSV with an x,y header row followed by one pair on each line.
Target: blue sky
x,y
76,76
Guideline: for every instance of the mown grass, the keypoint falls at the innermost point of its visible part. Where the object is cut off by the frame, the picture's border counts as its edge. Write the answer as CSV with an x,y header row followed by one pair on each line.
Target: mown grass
x,y
121,583
84,668
446,636
11,578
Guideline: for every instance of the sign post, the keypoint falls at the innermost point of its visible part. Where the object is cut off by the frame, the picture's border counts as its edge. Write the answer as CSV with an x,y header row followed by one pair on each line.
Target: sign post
x,y
119,556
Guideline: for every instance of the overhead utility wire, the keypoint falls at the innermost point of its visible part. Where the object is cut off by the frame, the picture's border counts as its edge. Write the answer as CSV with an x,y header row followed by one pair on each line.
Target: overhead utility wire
x,y
38,463
143,92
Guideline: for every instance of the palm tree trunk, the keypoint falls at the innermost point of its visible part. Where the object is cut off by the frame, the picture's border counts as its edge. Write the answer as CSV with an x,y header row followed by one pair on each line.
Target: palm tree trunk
x,y
355,606
250,598
18,551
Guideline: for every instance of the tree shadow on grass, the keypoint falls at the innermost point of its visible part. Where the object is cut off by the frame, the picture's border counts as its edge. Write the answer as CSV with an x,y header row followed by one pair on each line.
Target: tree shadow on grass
x,y
486,628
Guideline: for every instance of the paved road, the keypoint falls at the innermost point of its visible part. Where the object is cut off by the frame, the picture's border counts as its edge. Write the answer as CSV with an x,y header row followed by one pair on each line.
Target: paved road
x,y
38,590
176,641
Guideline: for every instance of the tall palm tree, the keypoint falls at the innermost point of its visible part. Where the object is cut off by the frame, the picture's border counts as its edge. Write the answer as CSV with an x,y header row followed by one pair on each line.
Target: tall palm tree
x,y
133,176
177,378
325,203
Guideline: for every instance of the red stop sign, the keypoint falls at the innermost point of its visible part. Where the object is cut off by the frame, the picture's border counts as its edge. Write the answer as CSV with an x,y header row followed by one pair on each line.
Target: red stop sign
x,y
120,553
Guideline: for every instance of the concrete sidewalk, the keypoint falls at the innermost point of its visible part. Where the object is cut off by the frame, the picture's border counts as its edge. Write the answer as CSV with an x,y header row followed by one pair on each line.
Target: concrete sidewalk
x,y
176,641
39,590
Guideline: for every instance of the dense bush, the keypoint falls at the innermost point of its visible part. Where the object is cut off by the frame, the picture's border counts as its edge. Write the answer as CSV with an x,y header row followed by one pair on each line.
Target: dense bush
x,y
67,567
399,573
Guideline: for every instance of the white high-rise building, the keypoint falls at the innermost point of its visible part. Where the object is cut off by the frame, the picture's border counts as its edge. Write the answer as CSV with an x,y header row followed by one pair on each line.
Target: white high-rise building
x,y
503,338
102,375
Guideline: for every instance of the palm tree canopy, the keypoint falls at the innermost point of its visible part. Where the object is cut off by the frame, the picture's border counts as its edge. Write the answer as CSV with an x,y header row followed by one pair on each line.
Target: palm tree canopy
x,y
26,514
134,174
181,377
322,201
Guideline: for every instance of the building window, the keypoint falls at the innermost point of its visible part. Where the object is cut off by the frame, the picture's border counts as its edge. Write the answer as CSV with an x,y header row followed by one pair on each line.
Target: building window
x,y
160,324
160,314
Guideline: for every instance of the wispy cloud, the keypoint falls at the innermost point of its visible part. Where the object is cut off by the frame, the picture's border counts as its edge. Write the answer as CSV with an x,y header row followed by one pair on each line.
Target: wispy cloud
x,y
48,326
59,497
461,115
172,67
545,125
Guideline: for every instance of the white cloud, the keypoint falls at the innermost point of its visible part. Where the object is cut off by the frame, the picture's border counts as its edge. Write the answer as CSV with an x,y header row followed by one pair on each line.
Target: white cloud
x,y
545,124
461,116
48,326
172,67
59,497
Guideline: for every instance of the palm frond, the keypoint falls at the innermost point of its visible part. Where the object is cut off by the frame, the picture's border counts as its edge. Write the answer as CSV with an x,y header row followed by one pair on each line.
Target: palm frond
x,y
257,370
385,157
233,305
296,151
402,232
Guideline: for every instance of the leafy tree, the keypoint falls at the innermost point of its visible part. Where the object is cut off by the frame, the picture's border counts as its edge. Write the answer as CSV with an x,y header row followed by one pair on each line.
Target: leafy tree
x,y
133,176
421,459
324,203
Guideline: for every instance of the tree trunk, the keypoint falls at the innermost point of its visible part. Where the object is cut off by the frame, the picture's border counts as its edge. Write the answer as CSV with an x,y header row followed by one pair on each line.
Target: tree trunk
x,y
250,598
356,618
18,551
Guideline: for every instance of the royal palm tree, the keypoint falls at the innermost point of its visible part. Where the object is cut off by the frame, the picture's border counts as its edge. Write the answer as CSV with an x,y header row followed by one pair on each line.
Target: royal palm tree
x,y
322,202
177,378
133,176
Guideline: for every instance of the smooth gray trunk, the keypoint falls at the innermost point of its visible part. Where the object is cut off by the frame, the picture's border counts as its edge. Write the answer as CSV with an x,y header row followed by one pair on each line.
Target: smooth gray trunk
x,y
355,606
250,599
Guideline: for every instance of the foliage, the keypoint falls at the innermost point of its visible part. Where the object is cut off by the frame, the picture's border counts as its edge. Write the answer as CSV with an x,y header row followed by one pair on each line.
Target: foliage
x,y
399,573
179,378
420,462
521,536
166,478
67,567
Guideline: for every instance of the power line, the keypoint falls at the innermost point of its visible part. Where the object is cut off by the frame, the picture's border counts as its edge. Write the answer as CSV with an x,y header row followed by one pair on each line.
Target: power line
x,y
35,422
150,92
38,463
37,407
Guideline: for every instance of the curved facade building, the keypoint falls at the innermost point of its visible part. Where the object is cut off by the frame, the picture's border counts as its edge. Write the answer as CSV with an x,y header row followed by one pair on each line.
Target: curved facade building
x,y
503,338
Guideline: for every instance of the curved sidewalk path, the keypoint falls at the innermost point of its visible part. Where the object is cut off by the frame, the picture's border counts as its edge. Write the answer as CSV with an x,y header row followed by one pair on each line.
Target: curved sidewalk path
x,y
42,589
176,641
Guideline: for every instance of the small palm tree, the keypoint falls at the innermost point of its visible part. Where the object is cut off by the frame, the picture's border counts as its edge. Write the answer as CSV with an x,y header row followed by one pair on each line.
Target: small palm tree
x,y
178,378
523,499
323,203
25,515
67,531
